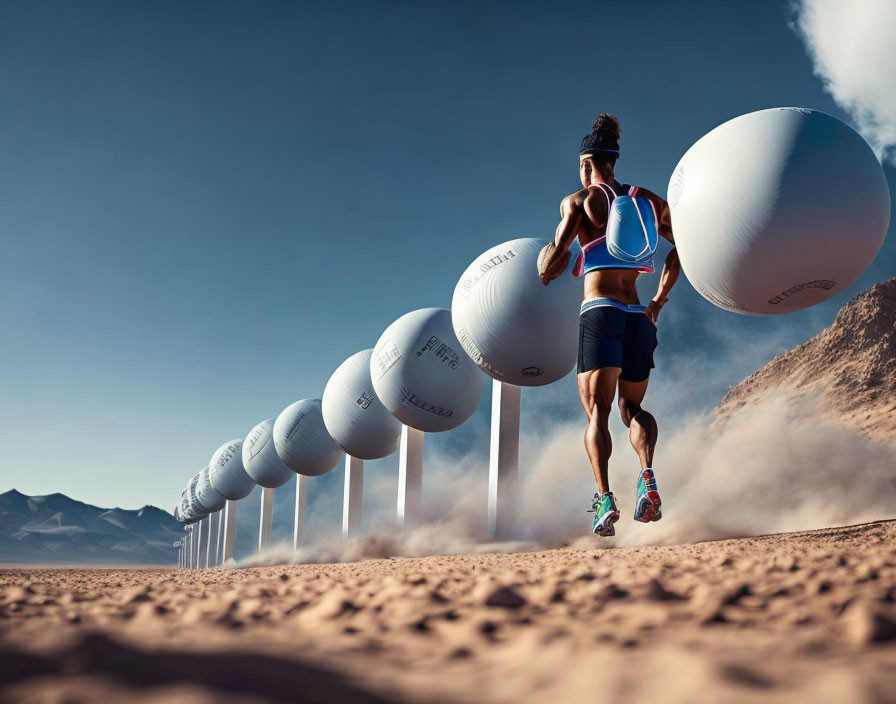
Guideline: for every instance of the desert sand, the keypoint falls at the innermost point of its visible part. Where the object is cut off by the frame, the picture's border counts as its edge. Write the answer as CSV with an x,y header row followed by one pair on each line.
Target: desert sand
x,y
850,367
801,617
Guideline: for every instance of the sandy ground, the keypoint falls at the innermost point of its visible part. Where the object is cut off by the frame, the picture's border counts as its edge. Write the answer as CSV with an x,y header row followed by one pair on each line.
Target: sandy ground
x,y
803,617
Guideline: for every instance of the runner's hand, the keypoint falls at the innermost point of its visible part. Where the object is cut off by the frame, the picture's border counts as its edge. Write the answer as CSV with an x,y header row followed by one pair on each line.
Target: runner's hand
x,y
654,308
549,270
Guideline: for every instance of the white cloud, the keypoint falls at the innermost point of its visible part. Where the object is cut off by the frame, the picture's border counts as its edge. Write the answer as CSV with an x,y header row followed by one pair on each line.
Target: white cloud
x,y
853,50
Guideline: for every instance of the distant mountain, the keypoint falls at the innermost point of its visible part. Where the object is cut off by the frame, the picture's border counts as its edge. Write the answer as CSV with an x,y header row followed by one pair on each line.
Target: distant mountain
x,y
55,528
851,365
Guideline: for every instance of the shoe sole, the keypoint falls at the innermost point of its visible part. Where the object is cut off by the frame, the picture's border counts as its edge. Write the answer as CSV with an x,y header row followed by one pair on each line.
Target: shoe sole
x,y
606,528
648,509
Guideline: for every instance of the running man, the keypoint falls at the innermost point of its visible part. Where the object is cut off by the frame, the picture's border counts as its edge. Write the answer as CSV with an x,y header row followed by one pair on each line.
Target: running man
x,y
617,335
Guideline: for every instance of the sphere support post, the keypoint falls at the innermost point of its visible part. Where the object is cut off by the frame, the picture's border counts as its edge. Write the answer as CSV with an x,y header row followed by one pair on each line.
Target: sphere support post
x,y
352,503
504,453
229,530
410,478
219,538
266,518
202,542
301,500
212,540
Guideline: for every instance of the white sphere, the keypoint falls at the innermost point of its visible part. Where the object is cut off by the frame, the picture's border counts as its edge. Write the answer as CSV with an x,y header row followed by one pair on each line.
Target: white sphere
x,y
778,210
228,476
511,325
355,418
206,493
421,374
183,505
193,508
261,460
302,440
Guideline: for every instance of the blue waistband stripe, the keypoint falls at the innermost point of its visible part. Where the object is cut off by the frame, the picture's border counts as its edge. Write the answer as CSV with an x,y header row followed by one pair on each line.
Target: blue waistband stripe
x,y
612,303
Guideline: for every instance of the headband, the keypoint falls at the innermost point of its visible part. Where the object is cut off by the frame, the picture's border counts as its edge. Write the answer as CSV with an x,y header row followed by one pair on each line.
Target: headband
x,y
599,142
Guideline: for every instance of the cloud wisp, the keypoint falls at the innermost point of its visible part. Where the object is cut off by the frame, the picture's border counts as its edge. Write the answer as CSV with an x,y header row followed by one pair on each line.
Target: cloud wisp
x,y
853,52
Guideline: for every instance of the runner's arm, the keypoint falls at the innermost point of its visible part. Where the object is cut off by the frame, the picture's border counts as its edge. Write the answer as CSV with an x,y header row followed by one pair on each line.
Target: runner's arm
x,y
554,258
672,265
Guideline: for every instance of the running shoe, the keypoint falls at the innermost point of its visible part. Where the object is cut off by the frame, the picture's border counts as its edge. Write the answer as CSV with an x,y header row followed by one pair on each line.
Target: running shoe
x,y
605,514
647,501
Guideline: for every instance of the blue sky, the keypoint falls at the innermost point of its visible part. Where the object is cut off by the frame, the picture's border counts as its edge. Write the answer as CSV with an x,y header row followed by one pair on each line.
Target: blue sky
x,y
205,207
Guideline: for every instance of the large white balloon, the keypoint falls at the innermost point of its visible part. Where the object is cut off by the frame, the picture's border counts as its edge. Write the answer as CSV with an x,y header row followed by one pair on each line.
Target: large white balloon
x,y
355,418
512,326
206,493
192,507
778,210
261,460
228,476
302,440
422,375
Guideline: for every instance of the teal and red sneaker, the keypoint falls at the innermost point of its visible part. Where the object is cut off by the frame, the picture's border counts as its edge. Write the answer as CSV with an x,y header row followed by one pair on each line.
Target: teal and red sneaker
x,y
647,500
605,514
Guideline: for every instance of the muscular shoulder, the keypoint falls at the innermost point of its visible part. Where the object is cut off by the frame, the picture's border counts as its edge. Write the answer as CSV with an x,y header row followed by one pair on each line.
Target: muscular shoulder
x,y
661,208
658,201
574,202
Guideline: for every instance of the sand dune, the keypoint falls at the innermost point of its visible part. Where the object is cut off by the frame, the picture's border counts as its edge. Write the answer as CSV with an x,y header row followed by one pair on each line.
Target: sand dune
x,y
851,365
799,617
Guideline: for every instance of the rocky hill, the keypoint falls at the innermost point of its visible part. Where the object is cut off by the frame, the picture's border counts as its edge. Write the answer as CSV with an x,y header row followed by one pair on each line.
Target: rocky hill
x,y
849,367
55,528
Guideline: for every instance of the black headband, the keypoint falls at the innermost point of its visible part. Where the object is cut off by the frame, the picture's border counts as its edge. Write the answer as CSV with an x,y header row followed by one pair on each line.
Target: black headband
x,y
599,142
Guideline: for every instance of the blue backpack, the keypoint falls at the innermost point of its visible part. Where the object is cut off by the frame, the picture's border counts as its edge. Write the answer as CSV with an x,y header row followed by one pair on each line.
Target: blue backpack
x,y
631,228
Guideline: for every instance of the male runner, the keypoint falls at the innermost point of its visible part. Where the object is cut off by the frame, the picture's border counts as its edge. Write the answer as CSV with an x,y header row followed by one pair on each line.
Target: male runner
x,y
617,335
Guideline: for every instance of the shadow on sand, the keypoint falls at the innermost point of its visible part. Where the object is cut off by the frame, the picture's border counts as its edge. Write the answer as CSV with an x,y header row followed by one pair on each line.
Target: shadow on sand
x,y
264,677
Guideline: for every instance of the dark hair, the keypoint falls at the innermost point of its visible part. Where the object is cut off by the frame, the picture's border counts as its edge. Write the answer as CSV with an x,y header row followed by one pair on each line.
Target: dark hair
x,y
609,125
603,142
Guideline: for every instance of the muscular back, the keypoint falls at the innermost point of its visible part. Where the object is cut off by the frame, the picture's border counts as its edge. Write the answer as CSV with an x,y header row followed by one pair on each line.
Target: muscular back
x,y
591,208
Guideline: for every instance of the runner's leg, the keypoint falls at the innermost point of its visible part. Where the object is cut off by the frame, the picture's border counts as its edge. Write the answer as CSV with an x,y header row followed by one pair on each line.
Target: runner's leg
x,y
642,428
597,389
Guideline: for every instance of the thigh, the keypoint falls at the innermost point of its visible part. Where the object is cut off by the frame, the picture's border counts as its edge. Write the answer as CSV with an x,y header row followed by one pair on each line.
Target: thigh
x,y
597,389
639,342
601,332
632,391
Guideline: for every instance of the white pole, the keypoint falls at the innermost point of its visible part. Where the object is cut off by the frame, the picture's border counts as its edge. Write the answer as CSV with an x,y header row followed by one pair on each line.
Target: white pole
x,y
300,511
229,530
504,456
203,542
267,515
212,539
410,477
352,501
192,545
219,548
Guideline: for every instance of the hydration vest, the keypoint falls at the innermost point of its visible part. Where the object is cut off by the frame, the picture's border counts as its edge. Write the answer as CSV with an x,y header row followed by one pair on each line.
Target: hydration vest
x,y
631,235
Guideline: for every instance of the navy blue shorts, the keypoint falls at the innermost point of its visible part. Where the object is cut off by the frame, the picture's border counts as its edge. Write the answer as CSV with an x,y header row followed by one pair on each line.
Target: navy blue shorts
x,y
611,337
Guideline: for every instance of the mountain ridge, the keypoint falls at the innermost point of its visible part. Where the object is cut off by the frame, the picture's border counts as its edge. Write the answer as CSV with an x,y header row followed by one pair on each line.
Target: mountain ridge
x,y
56,528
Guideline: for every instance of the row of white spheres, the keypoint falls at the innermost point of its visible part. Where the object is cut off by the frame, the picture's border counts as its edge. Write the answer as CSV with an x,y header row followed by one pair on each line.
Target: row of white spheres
x,y
419,373
237,466
296,442
761,228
